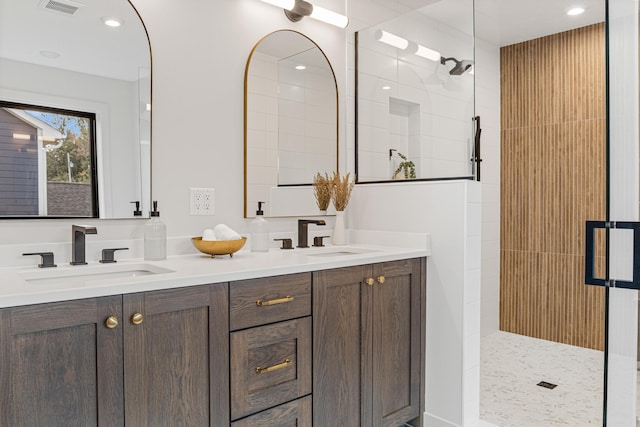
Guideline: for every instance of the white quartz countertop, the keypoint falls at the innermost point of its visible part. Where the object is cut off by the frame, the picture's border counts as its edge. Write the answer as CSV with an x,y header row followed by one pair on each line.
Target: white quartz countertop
x,y
17,286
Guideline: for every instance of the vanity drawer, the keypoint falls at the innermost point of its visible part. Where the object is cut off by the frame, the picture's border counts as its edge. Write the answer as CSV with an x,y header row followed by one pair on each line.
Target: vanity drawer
x,y
257,302
296,413
270,365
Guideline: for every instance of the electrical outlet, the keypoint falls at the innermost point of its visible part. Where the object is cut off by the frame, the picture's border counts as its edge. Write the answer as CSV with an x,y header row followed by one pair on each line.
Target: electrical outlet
x,y
202,201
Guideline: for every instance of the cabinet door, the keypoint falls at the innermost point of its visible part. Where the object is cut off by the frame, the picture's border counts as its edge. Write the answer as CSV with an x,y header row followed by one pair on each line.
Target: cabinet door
x,y
395,342
60,365
337,315
292,414
176,357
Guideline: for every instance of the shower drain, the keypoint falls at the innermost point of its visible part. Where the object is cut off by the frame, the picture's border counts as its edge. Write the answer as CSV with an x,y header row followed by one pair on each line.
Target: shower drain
x,y
547,385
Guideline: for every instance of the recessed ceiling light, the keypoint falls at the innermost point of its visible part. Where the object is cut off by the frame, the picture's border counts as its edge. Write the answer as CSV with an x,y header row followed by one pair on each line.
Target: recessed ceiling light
x,y
112,22
300,67
576,10
49,54
386,87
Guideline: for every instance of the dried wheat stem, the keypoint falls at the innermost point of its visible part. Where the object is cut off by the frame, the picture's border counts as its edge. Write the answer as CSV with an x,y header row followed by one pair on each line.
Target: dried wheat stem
x,y
342,191
322,189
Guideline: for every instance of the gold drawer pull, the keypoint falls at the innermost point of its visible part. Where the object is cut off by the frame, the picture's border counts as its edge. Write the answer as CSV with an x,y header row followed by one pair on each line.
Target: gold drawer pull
x,y
287,362
288,298
369,281
380,279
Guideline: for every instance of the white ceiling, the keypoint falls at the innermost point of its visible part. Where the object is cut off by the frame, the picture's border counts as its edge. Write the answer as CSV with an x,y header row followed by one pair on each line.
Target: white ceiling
x,y
84,43
82,40
505,22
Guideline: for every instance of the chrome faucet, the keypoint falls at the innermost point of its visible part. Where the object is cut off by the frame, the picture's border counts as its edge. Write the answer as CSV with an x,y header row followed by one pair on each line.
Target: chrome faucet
x,y
78,233
303,231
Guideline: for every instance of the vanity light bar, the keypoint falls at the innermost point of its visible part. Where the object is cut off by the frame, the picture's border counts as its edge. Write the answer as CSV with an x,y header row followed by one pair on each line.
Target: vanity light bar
x,y
427,53
329,17
402,43
392,40
297,9
284,4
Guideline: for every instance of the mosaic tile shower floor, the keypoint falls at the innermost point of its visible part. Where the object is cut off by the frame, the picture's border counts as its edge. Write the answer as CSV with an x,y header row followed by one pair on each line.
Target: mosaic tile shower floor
x,y
512,365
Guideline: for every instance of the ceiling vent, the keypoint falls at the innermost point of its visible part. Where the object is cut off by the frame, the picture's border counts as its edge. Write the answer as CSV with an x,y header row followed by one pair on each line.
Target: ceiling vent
x,y
62,6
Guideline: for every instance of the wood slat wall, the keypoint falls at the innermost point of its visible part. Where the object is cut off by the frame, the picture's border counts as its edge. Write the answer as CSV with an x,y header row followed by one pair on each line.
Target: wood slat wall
x,y
552,181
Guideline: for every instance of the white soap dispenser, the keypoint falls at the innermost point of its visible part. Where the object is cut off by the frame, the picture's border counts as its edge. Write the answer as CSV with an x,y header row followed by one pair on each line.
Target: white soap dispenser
x,y
155,237
259,232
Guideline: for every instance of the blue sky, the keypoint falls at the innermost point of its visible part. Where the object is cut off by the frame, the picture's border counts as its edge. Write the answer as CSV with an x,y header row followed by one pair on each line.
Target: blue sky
x,y
50,118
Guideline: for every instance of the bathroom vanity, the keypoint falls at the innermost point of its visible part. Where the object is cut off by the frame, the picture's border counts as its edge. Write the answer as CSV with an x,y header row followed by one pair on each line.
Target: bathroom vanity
x,y
308,338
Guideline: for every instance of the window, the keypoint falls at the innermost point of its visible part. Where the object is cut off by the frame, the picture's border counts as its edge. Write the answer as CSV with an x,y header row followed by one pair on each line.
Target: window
x,y
47,162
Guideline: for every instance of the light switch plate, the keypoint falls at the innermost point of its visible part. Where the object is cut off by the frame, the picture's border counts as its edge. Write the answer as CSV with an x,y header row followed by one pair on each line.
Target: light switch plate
x,y
202,201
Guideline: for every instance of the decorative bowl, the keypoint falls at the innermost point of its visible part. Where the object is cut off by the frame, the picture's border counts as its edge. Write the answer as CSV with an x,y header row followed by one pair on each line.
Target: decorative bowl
x,y
218,247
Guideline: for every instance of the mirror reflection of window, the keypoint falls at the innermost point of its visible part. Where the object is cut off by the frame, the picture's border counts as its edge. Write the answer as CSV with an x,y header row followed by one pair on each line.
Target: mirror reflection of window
x,y
47,162
107,72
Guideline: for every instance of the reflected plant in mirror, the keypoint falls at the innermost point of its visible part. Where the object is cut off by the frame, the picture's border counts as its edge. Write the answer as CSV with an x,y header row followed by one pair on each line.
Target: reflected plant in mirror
x,y
291,123
415,94
75,111
406,168
322,190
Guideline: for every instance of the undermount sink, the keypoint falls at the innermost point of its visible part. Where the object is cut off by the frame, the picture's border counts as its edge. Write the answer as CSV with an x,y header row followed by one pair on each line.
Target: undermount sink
x,y
337,251
83,274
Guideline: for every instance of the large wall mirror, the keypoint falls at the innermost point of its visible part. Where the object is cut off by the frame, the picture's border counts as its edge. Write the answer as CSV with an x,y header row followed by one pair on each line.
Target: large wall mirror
x,y
291,123
75,109
415,94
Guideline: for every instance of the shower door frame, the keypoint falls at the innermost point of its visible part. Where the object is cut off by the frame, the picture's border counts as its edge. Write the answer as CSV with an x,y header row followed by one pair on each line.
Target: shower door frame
x,y
623,189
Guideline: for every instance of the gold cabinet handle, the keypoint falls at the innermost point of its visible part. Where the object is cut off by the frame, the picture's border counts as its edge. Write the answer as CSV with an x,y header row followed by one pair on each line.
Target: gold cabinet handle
x,y
111,322
380,279
137,318
369,281
261,303
287,362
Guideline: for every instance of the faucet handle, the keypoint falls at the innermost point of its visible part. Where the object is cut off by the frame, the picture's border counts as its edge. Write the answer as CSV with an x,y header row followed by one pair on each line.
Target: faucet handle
x,y
108,255
286,243
47,259
318,242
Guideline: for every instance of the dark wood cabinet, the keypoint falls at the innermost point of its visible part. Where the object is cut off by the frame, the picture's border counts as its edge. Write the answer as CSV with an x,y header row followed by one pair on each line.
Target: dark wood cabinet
x,y
60,365
368,329
176,356
341,347
151,359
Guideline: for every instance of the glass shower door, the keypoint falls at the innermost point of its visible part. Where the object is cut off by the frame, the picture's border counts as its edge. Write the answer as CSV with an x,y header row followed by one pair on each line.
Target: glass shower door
x,y
622,275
